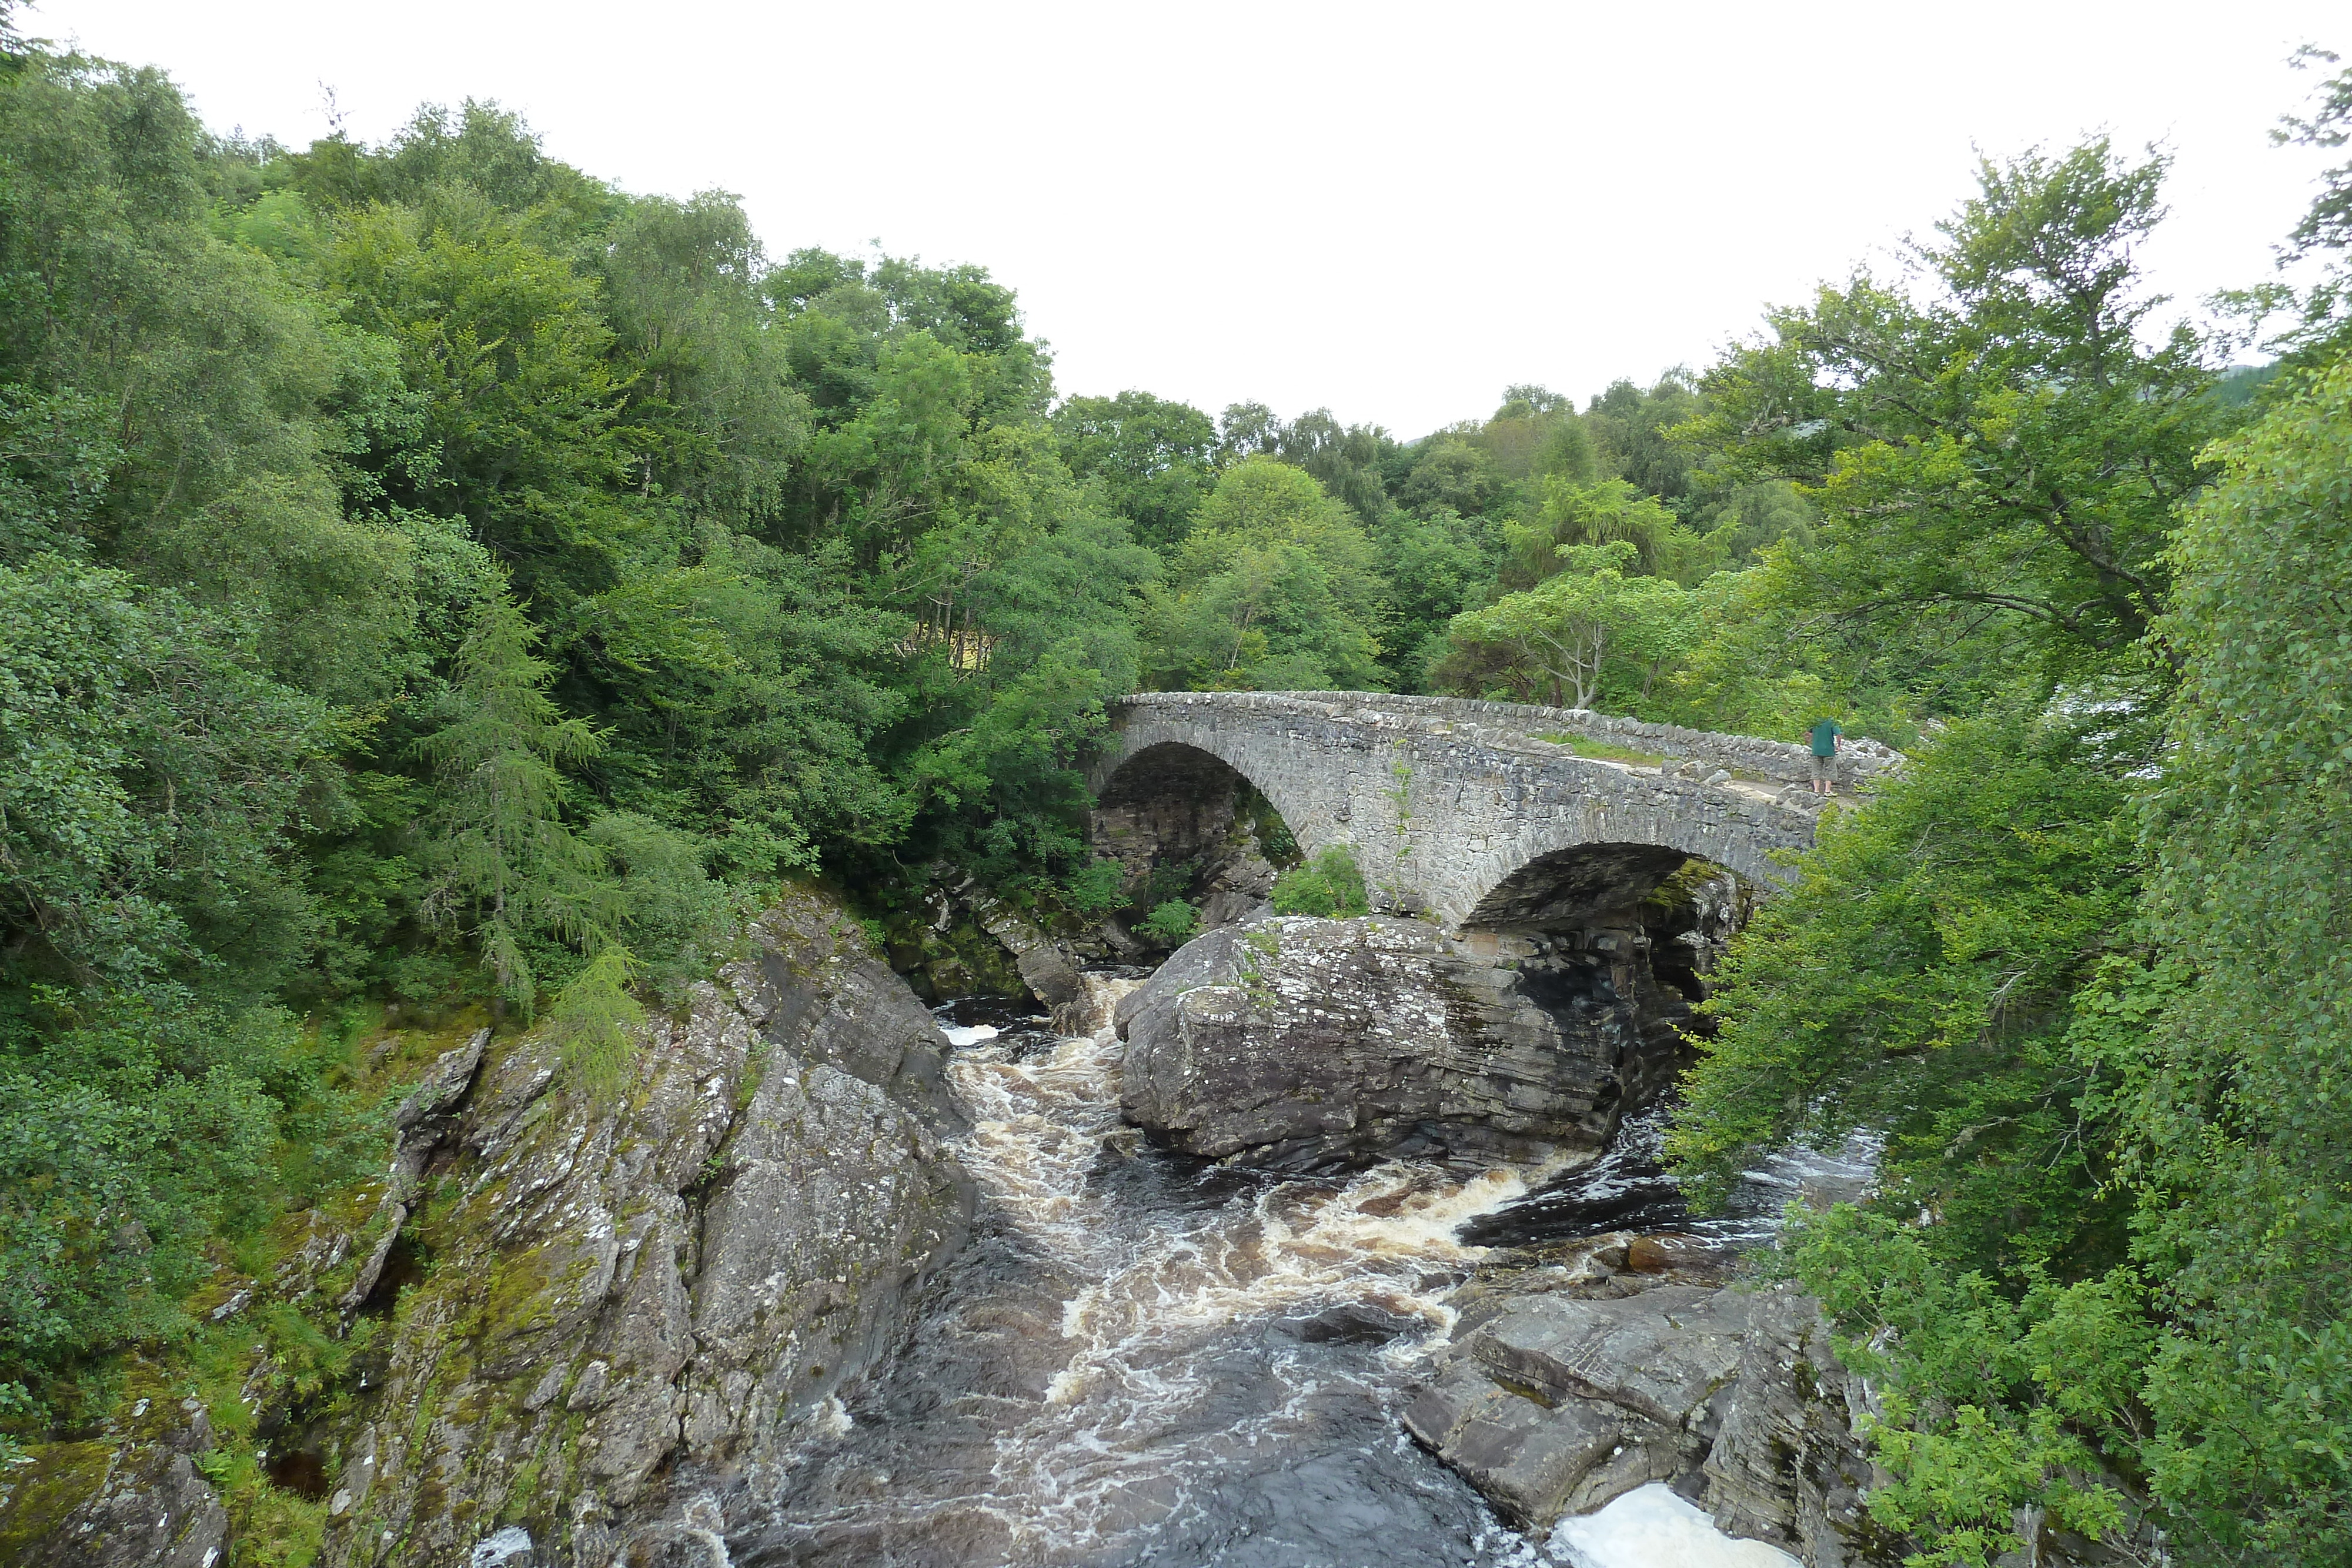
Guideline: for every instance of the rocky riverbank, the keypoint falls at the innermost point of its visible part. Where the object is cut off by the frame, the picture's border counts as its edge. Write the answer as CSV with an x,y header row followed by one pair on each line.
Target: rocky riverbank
x,y
672,1326
1630,1359
584,1314
628,1303
1577,1371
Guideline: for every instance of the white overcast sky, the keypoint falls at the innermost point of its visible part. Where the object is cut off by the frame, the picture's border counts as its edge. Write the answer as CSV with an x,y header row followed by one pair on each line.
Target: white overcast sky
x,y
1392,211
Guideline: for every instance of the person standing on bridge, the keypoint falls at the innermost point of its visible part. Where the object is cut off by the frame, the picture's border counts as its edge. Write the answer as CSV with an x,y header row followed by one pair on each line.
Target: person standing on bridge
x,y
1827,740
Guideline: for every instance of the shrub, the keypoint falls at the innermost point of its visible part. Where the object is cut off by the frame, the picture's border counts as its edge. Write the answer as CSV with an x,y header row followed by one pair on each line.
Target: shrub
x,y
1329,886
1167,881
1097,888
596,1024
1172,923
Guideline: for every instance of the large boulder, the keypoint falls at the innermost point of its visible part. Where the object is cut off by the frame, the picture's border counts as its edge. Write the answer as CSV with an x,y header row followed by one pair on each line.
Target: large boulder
x,y
630,1300
1298,1044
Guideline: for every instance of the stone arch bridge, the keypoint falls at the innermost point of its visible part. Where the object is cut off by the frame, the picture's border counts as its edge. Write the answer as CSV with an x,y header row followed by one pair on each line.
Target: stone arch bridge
x,y
1480,815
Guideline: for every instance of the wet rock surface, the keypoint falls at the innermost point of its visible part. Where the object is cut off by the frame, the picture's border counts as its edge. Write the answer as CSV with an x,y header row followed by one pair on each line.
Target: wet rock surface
x,y
1300,1043
625,1298
1559,1394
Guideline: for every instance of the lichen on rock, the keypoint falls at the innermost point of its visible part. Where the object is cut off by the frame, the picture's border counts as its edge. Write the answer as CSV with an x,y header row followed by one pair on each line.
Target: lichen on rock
x,y
109,1505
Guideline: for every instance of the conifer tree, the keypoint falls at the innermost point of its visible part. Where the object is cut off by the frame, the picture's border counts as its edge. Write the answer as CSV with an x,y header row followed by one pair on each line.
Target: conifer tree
x,y
509,871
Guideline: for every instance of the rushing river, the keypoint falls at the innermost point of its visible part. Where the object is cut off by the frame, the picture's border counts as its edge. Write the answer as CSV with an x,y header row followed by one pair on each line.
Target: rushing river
x,y
1148,1360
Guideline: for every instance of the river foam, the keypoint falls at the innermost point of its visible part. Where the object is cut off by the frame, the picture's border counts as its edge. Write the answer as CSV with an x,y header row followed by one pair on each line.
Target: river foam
x,y
1654,1527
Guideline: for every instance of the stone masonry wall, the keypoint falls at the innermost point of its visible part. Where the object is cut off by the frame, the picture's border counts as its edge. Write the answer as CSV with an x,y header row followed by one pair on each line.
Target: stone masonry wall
x,y
1443,803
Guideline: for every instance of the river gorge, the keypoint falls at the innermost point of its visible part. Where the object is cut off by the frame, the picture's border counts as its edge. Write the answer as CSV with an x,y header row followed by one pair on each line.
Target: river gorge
x,y
1334,1241
1146,1359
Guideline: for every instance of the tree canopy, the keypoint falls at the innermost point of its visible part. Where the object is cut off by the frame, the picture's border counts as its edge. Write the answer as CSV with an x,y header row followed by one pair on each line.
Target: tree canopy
x,y
2082,966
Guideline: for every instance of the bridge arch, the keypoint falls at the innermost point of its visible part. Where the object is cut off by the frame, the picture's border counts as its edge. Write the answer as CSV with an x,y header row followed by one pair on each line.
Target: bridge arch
x,y
1181,788
1559,870
1196,796
1563,886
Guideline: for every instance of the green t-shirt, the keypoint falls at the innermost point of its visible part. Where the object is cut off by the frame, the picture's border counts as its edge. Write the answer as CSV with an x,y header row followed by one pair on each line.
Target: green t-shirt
x,y
1825,736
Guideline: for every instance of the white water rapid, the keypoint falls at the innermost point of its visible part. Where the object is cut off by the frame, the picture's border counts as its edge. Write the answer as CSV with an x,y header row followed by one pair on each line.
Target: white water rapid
x,y
1147,1361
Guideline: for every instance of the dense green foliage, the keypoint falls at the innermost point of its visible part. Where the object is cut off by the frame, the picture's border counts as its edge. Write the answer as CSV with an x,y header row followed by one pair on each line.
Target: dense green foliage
x,y
1273,589
1330,885
1918,982
1171,922
429,573
1589,624
432,577
1305,554
1946,974
2082,968
2239,1105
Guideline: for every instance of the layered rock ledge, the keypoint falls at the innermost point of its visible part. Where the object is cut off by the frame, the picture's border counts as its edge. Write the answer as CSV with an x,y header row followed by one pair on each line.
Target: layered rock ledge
x,y
1557,1402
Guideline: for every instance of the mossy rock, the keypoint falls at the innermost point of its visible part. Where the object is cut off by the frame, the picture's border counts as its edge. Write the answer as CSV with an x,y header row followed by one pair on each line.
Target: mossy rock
x,y
37,1498
941,965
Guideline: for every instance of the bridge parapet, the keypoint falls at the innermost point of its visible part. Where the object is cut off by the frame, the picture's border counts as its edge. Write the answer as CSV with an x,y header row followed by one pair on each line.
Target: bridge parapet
x,y
1780,761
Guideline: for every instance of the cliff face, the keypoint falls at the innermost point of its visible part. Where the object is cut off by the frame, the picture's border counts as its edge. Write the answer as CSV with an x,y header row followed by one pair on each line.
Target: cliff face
x,y
1295,1042
624,1299
586,1316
